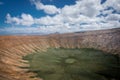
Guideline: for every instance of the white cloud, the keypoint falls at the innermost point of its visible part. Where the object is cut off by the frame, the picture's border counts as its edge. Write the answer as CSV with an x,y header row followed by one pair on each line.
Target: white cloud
x,y
22,30
89,8
49,9
113,3
24,19
113,17
78,17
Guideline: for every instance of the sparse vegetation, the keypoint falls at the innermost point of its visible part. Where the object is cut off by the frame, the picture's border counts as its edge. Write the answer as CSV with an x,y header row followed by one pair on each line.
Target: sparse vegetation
x,y
73,64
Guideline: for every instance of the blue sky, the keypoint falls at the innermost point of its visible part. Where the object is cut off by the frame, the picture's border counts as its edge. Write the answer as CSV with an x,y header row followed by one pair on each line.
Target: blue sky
x,y
50,16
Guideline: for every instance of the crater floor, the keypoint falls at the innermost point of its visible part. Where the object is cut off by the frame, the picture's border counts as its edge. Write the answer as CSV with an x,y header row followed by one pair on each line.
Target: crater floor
x,y
73,64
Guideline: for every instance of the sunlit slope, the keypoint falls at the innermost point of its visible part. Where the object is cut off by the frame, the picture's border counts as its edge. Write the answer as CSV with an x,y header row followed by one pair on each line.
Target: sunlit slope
x,y
12,48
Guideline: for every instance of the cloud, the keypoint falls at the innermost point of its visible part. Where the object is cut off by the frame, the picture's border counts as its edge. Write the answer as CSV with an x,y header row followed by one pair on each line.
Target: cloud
x,y
115,4
113,17
24,19
20,30
49,9
84,15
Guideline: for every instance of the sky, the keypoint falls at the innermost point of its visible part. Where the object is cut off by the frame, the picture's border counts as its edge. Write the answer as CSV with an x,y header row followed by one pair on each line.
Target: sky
x,y
61,16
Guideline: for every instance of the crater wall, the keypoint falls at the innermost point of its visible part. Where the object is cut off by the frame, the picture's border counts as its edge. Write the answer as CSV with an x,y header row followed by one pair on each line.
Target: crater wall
x,y
12,48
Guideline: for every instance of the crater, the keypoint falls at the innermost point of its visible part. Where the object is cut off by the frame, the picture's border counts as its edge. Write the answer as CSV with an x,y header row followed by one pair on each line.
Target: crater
x,y
90,55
